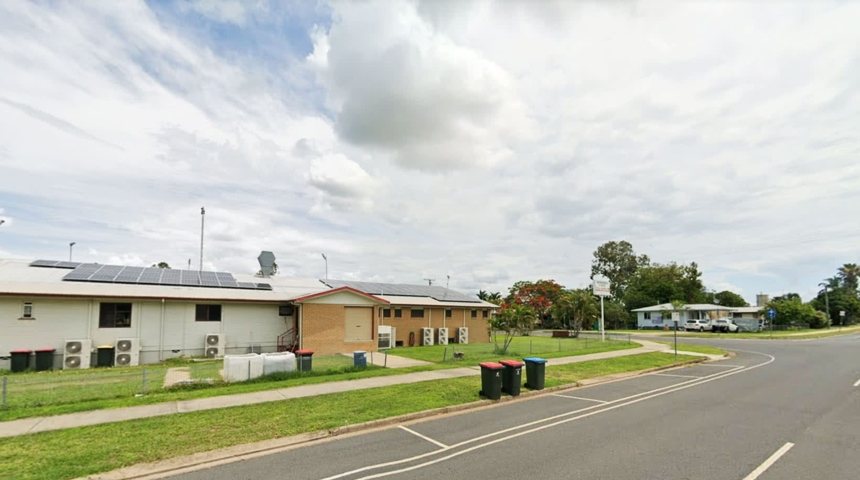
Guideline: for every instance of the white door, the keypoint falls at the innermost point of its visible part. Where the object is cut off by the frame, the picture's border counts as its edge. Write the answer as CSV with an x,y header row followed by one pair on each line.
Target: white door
x,y
358,322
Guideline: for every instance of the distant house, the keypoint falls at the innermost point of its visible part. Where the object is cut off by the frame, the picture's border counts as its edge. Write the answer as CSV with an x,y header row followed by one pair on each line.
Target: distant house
x,y
658,316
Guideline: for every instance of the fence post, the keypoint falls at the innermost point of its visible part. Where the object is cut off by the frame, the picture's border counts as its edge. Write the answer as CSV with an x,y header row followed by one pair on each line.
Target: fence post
x,y
445,355
385,363
3,403
559,344
530,346
143,383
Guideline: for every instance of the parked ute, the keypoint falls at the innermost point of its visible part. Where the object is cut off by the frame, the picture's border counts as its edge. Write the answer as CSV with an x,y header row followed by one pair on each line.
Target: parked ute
x,y
697,325
724,325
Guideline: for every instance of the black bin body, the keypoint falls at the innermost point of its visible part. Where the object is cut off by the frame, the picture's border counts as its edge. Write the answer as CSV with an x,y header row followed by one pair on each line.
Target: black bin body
x,y
491,380
45,359
512,376
305,358
20,360
105,355
535,372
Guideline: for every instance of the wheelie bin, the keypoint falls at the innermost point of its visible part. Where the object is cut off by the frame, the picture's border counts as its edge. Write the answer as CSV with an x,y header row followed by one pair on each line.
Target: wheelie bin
x,y
305,358
535,371
45,359
511,376
359,359
20,359
491,380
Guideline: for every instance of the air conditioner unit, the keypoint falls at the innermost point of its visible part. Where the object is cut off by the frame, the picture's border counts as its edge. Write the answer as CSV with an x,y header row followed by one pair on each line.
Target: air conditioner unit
x,y
462,335
214,345
127,352
387,336
442,336
76,353
426,336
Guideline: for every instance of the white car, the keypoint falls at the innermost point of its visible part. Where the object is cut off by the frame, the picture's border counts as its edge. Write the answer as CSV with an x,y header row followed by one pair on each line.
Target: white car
x,y
697,325
724,325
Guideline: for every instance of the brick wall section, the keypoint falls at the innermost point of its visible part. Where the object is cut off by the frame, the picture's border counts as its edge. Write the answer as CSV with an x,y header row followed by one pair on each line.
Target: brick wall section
x,y
323,330
434,317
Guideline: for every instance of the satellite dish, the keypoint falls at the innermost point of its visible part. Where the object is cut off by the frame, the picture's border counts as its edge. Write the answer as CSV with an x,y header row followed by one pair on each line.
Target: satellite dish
x,y
267,263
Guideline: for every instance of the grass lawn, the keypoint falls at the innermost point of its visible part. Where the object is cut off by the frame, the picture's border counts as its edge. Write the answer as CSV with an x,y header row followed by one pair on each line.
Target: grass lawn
x,y
35,394
88,450
520,347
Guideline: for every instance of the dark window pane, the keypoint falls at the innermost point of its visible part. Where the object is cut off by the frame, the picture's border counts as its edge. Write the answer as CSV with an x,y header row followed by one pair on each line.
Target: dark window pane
x,y
474,314
417,313
386,312
448,313
115,315
398,313
208,313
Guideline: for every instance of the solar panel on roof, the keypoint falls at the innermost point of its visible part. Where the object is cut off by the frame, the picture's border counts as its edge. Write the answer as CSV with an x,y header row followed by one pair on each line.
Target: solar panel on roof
x,y
398,289
91,272
190,278
54,264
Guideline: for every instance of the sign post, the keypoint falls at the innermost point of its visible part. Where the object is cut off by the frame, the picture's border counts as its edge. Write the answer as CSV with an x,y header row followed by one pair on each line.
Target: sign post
x,y
676,317
771,314
841,318
600,287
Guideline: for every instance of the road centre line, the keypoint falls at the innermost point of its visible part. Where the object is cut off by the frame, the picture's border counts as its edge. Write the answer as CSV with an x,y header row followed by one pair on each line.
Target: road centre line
x,y
595,409
770,461
672,375
413,432
578,398
857,383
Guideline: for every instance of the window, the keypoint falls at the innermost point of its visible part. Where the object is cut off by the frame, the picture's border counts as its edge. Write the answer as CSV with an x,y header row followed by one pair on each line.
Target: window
x,y
398,313
448,313
485,313
474,313
115,315
386,312
416,313
647,316
28,311
208,313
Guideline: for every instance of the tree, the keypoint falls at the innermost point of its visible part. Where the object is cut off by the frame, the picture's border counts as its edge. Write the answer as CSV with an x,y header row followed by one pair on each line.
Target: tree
x,y
492,297
575,308
618,262
656,284
161,265
513,319
849,274
793,312
538,295
730,299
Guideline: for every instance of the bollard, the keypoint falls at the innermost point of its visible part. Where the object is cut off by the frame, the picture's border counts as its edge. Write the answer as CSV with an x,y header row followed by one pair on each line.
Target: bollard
x,y
143,383
445,355
385,363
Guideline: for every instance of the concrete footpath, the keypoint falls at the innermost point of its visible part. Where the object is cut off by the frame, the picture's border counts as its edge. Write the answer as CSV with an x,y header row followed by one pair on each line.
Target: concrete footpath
x,y
95,417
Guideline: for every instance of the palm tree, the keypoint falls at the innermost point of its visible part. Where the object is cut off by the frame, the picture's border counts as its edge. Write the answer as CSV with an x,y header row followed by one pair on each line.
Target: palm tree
x,y
849,273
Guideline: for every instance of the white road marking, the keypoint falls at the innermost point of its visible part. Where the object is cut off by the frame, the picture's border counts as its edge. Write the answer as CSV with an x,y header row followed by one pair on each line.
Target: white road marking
x,y
857,383
579,398
673,375
770,461
413,432
719,365
600,408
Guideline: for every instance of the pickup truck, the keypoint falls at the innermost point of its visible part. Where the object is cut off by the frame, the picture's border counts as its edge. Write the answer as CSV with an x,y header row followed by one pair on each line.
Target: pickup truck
x,y
724,325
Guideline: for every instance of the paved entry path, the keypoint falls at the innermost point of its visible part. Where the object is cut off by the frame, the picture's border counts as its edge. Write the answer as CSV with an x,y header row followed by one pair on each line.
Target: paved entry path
x,y
177,375
71,420
381,359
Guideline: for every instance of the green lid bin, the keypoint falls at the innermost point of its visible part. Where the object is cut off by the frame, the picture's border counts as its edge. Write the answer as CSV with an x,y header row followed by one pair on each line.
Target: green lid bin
x,y
20,359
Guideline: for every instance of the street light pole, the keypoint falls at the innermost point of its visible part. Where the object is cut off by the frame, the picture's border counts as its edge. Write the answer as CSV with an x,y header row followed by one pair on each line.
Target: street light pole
x,y
71,244
326,265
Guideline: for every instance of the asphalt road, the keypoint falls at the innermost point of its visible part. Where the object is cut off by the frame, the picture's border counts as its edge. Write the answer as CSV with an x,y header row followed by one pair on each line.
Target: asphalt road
x,y
783,409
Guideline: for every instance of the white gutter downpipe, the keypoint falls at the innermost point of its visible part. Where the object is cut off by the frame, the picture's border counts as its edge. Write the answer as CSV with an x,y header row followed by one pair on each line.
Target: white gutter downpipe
x,y
161,334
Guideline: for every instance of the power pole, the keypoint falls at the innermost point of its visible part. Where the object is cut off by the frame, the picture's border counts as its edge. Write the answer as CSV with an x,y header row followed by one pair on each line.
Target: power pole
x,y
430,281
202,220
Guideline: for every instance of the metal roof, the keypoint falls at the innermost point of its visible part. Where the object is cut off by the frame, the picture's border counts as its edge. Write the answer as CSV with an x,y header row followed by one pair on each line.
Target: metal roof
x,y
408,301
440,294
690,306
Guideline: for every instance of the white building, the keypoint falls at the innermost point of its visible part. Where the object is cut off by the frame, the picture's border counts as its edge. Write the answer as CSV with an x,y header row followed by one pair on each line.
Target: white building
x,y
660,316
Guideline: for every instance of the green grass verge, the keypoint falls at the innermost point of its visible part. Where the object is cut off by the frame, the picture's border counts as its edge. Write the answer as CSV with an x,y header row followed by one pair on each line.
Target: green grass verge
x,y
520,347
88,450
800,334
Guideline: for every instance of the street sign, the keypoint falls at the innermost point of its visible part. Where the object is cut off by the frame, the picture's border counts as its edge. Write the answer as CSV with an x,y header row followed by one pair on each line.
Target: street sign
x,y
771,313
676,317
600,287
841,313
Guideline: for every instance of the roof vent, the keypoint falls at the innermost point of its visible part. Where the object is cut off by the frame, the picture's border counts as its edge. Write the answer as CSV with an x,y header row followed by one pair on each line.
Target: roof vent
x,y
268,267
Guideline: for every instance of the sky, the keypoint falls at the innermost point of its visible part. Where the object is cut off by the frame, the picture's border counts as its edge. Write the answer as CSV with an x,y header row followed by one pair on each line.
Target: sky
x,y
475,143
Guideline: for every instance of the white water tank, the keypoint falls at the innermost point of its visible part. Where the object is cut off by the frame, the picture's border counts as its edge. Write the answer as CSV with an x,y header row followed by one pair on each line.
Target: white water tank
x,y
241,368
278,362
